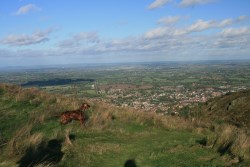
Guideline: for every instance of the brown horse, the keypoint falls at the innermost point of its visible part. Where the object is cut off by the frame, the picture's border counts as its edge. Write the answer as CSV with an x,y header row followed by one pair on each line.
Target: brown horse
x,y
68,116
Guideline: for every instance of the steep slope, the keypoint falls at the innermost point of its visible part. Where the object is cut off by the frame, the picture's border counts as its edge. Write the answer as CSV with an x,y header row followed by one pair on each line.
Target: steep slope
x,y
233,108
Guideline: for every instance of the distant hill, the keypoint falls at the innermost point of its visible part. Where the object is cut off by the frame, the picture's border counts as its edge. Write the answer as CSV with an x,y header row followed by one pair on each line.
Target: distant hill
x,y
233,108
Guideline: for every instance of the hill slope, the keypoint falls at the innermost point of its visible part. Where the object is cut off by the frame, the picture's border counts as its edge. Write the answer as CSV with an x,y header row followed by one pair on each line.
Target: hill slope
x,y
233,108
31,135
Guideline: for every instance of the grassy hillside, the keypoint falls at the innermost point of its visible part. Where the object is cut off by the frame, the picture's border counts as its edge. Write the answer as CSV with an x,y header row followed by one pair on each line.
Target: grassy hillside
x,y
30,135
233,108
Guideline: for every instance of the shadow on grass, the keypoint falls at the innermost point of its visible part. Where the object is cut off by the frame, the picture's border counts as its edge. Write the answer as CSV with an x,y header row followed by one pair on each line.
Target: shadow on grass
x,y
130,163
72,137
225,148
45,153
202,141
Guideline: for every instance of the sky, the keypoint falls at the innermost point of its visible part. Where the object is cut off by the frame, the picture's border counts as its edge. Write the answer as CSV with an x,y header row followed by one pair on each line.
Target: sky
x,y
52,32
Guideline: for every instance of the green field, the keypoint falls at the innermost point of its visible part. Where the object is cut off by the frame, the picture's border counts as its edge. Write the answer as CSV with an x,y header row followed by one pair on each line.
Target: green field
x,y
151,83
214,74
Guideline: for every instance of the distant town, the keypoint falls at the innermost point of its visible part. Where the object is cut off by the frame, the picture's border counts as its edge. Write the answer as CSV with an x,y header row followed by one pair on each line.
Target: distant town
x,y
164,88
165,99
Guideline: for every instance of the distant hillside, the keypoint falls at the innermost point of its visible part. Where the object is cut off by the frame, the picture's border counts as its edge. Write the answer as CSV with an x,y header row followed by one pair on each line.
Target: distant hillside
x,y
233,108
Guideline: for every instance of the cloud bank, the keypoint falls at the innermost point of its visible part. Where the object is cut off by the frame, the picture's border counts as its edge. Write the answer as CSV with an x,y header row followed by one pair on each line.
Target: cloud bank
x,y
25,39
168,41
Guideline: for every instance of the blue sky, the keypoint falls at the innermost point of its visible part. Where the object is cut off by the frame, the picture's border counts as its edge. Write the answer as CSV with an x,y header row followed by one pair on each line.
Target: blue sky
x,y
45,32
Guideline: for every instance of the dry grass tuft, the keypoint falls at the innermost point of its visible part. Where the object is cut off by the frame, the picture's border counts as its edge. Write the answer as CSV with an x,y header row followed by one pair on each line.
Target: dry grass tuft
x,y
151,118
37,116
241,145
45,164
36,139
67,137
100,120
226,136
101,148
17,145
22,140
231,140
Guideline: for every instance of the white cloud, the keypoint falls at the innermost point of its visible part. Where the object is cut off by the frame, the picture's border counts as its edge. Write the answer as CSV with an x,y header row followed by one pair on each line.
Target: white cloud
x,y
163,32
230,21
26,9
167,44
187,3
233,38
87,36
182,3
226,22
83,38
24,39
235,32
158,4
201,25
177,39
198,26
169,20
156,33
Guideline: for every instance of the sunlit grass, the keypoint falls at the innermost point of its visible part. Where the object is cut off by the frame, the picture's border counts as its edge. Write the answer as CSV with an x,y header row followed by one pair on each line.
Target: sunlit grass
x,y
112,136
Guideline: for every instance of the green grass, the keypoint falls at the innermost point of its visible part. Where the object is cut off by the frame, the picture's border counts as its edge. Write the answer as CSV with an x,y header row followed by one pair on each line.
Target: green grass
x,y
13,115
112,136
146,145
